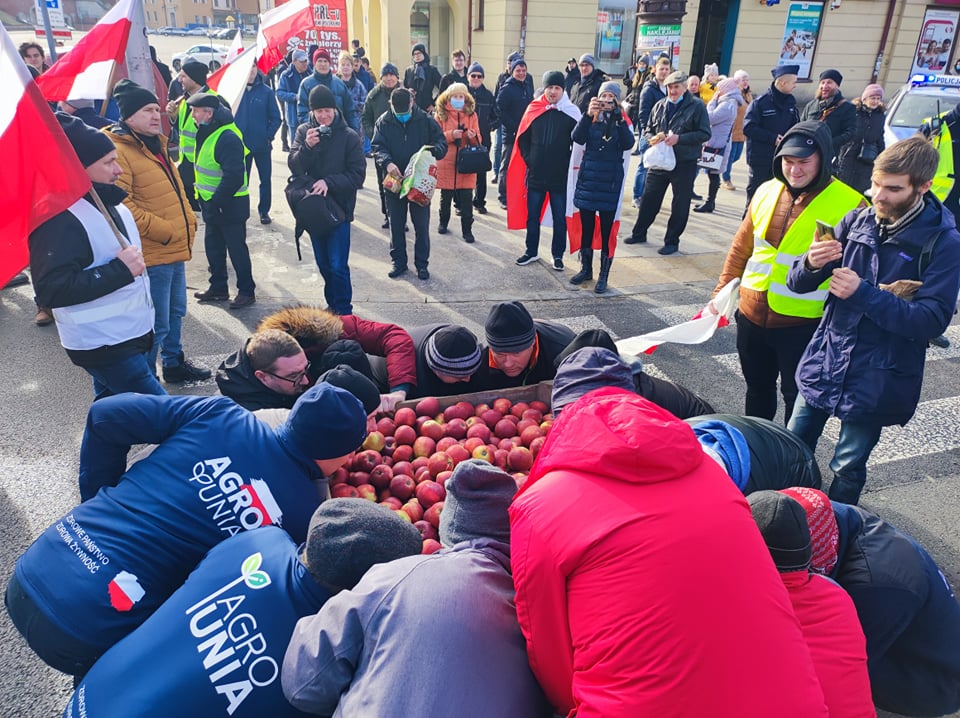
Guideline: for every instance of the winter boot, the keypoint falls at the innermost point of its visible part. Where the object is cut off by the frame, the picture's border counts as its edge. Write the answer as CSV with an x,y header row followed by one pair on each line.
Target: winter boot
x,y
709,205
586,266
605,263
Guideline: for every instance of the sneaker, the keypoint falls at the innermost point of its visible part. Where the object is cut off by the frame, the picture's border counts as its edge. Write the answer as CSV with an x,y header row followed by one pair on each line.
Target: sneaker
x,y
423,274
397,271
941,341
558,263
243,300
527,259
43,317
442,229
668,249
184,371
635,240
482,209
636,202
211,296
18,280
468,237
265,219
727,184
503,205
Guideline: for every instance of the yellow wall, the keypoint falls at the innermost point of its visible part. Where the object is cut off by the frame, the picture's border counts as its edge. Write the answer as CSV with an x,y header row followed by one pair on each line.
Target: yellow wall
x,y
556,31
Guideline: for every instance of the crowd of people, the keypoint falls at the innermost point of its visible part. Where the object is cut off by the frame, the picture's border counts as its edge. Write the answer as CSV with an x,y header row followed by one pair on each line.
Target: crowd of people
x,y
838,300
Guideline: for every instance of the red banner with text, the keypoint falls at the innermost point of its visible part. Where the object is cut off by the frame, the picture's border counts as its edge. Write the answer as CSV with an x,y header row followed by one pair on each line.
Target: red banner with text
x,y
329,29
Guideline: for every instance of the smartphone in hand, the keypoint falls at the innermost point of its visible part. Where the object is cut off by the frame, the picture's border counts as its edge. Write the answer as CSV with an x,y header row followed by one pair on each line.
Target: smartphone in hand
x,y
826,231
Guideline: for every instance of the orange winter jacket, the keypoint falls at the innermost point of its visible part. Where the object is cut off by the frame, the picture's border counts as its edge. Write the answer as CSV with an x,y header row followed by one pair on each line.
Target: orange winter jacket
x,y
449,120
643,585
156,199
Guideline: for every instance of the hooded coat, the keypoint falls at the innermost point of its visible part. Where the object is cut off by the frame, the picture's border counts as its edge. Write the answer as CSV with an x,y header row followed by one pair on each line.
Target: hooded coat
x,y
908,611
865,361
316,329
155,197
642,608
449,120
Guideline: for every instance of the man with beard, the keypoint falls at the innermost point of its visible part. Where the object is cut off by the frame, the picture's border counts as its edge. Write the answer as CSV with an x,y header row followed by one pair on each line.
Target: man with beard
x,y
422,78
894,273
99,292
832,109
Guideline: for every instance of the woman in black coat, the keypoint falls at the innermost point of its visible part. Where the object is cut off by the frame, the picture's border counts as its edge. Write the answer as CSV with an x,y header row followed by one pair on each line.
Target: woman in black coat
x,y
855,159
605,135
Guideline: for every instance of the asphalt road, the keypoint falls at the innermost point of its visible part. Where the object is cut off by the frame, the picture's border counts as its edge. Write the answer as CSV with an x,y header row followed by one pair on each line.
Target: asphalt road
x,y
913,479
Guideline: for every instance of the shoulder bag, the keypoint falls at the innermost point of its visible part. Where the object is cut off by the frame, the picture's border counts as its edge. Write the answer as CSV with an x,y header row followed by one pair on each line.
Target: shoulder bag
x,y
472,159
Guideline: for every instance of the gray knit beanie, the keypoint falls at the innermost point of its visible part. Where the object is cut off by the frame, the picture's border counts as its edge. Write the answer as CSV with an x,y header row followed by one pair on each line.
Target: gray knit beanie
x,y
478,496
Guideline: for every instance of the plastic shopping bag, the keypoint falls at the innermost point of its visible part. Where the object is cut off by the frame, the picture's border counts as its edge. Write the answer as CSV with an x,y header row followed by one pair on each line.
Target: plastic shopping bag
x,y
420,177
660,157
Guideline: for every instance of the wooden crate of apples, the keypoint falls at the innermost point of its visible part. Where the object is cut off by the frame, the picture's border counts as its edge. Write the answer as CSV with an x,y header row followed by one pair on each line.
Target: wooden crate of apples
x,y
404,464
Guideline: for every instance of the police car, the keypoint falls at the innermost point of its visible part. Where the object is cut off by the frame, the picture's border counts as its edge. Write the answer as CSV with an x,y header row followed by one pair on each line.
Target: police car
x,y
923,97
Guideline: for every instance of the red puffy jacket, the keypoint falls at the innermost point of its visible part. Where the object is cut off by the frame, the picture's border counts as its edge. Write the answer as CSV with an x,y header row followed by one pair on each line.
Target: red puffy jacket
x,y
643,585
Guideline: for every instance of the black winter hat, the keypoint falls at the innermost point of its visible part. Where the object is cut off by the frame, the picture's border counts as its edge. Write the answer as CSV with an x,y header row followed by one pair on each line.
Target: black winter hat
x,y
478,496
348,378
400,99
196,71
346,351
421,47
454,351
131,98
832,74
348,536
587,338
321,98
389,69
509,327
552,77
783,525
89,144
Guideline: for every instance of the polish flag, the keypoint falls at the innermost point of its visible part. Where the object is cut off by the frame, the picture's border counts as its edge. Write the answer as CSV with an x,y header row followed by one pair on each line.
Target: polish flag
x,y
236,47
280,31
86,70
125,590
42,175
230,81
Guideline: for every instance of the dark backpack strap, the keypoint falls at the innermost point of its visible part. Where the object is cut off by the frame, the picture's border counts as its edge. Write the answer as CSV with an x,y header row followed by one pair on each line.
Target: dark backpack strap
x,y
926,252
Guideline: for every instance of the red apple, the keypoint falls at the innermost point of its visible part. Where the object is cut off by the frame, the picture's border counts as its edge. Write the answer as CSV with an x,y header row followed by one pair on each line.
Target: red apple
x,y
520,458
443,476
423,474
473,443
424,446
430,546
466,409
418,463
525,424
537,444
403,452
403,515
474,420
481,431
518,408
384,494
507,444
480,408
455,428
539,406
426,529
405,436
533,414
428,406
529,434
520,478
413,509
375,441
391,502
455,411
403,467
366,491
433,514
457,453
366,460
491,417
502,405
500,458
483,453
381,476
511,417
355,478
344,491
505,428
430,492
339,476
387,460
402,487
446,442
386,426
405,416
432,430
440,461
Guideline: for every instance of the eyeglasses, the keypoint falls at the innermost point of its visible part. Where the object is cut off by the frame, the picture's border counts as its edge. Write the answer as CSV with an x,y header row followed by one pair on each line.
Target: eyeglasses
x,y
295,379
477,76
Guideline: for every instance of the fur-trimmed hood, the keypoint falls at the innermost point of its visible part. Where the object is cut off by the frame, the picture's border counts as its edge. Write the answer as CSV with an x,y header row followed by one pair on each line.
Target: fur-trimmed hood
x,y
310,326
442,104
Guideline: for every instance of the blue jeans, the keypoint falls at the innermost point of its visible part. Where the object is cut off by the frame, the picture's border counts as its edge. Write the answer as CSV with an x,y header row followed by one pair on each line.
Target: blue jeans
x,y
736,149
168,287
131,374
332,253
558,210
264,169
639,180
498,152
849,464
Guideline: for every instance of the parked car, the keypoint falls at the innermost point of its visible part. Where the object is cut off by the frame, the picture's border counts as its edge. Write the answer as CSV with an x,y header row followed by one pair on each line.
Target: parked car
x,y
249,31
170,30
198,31
924,97
212,55
225,34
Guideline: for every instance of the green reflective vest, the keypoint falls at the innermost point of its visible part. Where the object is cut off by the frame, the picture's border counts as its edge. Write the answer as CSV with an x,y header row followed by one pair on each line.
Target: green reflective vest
x,y
207,170
187,127
943,180
768,266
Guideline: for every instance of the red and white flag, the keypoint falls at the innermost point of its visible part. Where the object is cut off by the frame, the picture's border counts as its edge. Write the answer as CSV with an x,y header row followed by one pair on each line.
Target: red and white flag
x,y
41,175
236,47
86,70
230,81
279,32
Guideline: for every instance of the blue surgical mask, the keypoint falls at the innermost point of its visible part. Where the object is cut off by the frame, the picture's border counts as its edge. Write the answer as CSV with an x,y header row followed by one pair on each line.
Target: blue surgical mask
x,y
672,101
457,103
402,117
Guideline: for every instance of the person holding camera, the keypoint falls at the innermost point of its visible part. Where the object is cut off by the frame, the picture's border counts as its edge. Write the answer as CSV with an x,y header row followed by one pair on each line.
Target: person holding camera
x,y
461,127
327,151
606,136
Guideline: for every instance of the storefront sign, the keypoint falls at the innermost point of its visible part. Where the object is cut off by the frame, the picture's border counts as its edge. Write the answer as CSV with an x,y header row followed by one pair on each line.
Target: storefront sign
x,y
935,44
656,39
800,36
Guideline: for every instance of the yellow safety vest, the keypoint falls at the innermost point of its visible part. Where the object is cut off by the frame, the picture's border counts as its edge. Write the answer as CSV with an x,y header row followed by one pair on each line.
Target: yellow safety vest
x,y
207,170
187,127
943,180
768,266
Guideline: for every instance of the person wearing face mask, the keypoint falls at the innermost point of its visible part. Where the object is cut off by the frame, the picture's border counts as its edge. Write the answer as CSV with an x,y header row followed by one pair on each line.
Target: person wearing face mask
x,y
774,326
378,102
397,136
456,113
99,292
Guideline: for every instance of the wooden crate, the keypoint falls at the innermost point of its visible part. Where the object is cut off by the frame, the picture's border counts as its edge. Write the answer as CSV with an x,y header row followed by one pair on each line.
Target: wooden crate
x,y
533,392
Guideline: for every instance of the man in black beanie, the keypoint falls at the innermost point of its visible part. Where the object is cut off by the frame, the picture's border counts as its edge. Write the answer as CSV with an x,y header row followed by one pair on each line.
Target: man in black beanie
x,y
523,350
99,292
461,601
193,79
157,199
831,108
422,78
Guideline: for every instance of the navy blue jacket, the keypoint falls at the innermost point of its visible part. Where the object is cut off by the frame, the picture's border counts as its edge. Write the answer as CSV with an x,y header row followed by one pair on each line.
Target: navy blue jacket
x,y
223,207
336,86
512,100
258,116
650,95
395,141
767,117
908,612
600,181
866,358
288,92
486,109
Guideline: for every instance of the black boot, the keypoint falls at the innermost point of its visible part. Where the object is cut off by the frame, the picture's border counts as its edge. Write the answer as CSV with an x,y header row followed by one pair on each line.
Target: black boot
x,y
605,263
586,266
184,370
709,205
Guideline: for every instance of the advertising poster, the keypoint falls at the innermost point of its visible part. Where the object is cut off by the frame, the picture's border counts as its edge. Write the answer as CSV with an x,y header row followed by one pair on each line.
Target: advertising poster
x,y
935,45
657,39
800,36
609,33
